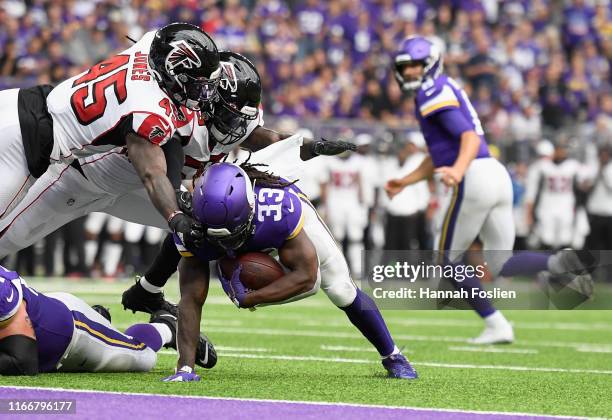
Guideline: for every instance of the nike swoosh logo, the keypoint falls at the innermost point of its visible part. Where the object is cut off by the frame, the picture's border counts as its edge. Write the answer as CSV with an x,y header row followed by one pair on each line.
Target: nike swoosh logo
x,y
291,206
10,298
430,91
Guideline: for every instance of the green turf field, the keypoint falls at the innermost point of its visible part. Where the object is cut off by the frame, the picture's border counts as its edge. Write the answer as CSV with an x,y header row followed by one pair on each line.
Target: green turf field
x,y
561,363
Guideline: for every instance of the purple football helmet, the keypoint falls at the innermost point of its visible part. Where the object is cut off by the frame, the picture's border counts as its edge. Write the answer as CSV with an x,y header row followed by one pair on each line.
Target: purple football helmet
x,y
416,49
224,202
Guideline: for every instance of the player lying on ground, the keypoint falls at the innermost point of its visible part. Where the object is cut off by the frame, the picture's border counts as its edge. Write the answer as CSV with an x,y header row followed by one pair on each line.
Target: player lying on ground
x,y
235,121
271,215
478,202
128,100
58,332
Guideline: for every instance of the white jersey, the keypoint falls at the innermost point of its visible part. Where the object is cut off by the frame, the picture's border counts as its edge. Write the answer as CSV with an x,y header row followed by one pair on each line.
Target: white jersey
x,y
344,184
93,111
552,185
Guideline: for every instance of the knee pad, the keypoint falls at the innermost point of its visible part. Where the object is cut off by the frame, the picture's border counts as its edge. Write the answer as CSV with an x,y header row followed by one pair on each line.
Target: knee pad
x,y
341,293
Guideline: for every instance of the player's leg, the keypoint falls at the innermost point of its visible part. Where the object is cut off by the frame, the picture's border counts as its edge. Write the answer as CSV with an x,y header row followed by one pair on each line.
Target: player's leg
x,y
133,233
113,248
14,172
93,226
466,211
55,199
356,222
360,308
99,347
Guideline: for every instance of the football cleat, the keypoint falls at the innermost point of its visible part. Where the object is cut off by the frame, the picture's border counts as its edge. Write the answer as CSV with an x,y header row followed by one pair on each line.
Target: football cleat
x,y
574,262
206,355
137,299
499,334
102,311
399,367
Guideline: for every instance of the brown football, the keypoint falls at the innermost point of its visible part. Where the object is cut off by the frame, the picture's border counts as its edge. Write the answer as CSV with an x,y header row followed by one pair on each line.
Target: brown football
x,y
258,269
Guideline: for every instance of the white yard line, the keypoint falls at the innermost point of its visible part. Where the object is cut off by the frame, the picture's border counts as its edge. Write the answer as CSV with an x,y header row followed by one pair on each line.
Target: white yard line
x,y
417,363
489,349
319,403
405,337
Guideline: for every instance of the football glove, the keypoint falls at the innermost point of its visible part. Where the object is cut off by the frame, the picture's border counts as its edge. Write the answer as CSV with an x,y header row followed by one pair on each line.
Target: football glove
x,y
184,200
190,232
331,147
233,287
184,374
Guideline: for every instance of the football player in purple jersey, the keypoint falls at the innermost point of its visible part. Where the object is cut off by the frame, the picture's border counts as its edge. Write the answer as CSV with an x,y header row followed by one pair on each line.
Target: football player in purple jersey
x,y
271,215
58,332
477,200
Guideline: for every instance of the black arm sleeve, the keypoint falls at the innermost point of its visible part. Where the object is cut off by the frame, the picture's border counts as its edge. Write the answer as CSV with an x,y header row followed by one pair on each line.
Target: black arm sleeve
x,y
175,159
18,355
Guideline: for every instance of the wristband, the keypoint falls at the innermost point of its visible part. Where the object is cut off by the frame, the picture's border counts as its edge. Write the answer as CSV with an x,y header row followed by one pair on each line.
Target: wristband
x,y
173,215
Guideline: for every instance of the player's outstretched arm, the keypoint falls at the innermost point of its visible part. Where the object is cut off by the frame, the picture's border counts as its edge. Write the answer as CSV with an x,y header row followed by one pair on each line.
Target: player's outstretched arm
x,y
194,277
150,164
262,137
299,255
424,171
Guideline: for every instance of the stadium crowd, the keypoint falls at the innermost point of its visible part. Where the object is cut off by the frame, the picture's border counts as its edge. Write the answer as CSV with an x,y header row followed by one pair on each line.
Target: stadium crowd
x,y
533,69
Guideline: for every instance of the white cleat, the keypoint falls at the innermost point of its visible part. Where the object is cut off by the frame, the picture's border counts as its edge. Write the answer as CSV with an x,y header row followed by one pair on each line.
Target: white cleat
x,y
497,331
495,335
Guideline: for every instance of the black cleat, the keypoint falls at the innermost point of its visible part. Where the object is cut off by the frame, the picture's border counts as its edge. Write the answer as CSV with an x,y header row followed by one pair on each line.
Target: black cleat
x,y
137,299
102,311
206,355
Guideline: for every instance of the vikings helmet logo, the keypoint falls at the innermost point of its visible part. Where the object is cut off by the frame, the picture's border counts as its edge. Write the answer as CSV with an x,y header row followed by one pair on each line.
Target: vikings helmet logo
x,y
182,55
229,80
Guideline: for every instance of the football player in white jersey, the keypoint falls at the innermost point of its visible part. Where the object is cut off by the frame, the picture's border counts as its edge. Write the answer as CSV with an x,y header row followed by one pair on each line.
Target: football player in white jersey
x,y
138,99
551,198
343,199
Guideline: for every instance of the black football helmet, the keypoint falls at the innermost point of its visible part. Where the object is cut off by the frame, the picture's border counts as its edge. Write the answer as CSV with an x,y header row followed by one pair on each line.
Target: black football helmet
x,y
185,63
239,99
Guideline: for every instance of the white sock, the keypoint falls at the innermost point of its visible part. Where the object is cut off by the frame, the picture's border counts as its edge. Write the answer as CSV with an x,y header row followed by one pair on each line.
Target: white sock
x,y
151,288
164,332
396,350
554,264
112,256
91,248
496,319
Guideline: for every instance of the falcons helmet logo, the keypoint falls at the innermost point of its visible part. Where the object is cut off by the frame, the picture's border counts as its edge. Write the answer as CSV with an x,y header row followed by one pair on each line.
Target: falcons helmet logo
x,y
229,81
182,55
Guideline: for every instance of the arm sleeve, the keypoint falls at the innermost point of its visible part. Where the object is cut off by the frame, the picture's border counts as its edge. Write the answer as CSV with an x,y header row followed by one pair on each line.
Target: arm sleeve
x,y
18,355
453,121
175,159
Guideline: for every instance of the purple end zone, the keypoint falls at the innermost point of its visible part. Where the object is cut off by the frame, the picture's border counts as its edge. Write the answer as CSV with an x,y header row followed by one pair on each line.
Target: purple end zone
x,y
101,405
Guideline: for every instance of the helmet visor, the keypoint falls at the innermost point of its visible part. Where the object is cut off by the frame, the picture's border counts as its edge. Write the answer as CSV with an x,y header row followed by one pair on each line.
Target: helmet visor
x,y
230,241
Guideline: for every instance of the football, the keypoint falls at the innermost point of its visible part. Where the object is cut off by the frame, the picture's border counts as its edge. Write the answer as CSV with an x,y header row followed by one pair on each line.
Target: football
x,y
258,269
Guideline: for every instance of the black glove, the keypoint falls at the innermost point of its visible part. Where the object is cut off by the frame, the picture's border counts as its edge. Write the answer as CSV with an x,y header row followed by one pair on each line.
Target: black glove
x,y
190,232
331,147
183,199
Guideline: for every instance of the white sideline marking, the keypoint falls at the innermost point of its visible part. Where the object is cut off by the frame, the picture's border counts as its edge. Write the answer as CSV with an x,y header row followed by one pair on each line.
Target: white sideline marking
x,y
429,364
487,349
407,337
205,397
594,348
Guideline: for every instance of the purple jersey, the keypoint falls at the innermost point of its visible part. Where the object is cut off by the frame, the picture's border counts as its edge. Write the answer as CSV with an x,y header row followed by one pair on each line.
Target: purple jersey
x,y
278,217
51,319
438,95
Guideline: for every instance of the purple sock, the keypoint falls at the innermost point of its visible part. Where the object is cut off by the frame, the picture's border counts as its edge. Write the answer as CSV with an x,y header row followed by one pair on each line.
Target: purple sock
x,y
525,262
146,333
483,306
364,314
